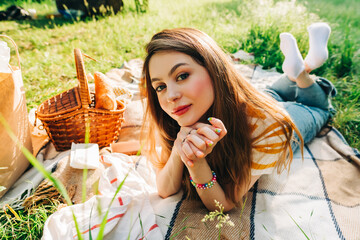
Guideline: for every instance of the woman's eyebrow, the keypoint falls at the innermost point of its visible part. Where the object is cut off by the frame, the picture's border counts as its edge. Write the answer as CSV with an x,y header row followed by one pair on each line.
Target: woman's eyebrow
x,y
172,70
175,67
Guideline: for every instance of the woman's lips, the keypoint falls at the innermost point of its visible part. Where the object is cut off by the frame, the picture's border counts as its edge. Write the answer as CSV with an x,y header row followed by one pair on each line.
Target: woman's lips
x,y
181,109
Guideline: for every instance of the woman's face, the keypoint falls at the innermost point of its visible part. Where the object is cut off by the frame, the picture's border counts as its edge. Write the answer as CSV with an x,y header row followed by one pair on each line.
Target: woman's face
x,y
184,88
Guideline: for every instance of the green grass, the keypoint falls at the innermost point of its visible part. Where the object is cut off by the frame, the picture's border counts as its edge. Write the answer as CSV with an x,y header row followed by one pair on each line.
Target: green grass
x,y
46,45
343,68
29,226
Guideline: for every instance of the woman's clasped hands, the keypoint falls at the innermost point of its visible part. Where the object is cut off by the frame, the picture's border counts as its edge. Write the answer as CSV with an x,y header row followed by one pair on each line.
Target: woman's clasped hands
x,y
194,143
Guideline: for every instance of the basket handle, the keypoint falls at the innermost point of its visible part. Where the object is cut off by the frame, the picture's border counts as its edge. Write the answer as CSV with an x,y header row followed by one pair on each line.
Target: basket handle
x,y
16,48
81,75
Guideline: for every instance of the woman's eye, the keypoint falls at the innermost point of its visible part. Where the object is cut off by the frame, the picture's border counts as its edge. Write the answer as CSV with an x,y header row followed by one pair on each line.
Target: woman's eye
x,y
159,88
182,76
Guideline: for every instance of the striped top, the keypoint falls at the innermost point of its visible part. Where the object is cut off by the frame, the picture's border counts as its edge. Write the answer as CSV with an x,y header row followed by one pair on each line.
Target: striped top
x,y
268,141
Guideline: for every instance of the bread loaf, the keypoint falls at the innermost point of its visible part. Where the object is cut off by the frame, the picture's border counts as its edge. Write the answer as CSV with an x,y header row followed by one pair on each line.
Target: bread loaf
x,y
104,94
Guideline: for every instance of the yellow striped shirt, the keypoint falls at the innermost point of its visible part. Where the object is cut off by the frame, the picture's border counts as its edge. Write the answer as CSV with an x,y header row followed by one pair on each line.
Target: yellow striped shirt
x,y
268,141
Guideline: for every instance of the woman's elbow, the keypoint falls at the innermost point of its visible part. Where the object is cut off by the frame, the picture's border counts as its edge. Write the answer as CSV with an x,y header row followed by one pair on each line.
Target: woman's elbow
x,y
227,207
166,193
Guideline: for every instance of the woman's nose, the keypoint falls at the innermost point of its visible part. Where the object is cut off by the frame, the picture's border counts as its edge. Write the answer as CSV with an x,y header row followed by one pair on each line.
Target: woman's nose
x,y
173,94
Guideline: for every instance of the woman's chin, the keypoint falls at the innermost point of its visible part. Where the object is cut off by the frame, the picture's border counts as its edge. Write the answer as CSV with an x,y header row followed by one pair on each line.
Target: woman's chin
x,y
187,122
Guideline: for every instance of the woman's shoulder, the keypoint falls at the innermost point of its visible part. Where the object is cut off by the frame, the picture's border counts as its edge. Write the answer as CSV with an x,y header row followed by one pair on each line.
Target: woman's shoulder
x,y
265,126
268,142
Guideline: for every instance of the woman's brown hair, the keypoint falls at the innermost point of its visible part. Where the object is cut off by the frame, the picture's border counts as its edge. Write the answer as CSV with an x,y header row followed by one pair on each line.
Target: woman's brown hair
x,y
235,100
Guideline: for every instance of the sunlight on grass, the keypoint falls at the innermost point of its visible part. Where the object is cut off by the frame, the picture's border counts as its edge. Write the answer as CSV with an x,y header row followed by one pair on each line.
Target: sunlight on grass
x,y
30,224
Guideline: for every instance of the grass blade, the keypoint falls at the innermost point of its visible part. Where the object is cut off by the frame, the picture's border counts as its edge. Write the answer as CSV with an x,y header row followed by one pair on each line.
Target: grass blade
x,y
102,226
90,236
141,226
83,187
12,210
77,227
85,170
242,209
180,231
298,225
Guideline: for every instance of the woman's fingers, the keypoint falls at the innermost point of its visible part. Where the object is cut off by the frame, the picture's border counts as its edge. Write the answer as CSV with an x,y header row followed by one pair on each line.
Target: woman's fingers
x,y
180,150
188,154
208,132
198,153
198,141
191,151
184,131
206,135
219,126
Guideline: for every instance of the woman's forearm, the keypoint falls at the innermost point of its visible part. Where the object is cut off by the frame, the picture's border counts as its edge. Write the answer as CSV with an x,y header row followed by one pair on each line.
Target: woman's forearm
x,y
202,174
168,179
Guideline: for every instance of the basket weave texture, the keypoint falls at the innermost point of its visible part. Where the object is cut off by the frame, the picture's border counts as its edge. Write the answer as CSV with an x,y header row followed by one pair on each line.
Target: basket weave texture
x,y
67,115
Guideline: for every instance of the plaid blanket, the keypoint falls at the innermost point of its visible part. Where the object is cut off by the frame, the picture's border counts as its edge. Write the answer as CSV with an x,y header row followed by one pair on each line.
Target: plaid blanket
x,y
319,198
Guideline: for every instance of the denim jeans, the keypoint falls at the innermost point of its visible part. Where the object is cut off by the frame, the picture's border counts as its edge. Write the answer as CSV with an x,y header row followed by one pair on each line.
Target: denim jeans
x,y
309,108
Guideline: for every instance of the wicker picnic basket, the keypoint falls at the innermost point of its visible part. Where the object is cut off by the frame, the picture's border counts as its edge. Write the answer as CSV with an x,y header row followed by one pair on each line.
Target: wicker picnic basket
x,y
66,115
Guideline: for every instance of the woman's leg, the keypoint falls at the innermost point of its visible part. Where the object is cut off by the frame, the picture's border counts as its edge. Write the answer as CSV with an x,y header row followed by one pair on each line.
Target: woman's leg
x,y
314,92
299,86
309,120
310,111
283,88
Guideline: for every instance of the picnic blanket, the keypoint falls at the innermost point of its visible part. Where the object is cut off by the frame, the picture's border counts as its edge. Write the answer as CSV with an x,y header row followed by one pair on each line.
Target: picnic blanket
x,y
319,198
130,213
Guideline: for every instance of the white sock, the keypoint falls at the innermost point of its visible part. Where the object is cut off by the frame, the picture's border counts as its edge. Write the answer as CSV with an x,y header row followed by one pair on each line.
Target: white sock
x,y
293,64
318,53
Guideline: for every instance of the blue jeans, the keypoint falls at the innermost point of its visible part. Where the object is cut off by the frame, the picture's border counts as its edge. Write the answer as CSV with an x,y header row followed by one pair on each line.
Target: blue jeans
x,y
309,108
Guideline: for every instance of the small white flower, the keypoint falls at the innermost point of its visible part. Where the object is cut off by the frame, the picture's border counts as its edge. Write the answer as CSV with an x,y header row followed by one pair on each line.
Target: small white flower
x,y
220,217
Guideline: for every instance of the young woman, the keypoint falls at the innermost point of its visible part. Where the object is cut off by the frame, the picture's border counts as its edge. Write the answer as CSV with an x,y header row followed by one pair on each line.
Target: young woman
x,y
218,134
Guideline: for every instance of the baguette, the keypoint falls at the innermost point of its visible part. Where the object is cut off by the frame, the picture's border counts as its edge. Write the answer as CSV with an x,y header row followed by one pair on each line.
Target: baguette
x,y
104,94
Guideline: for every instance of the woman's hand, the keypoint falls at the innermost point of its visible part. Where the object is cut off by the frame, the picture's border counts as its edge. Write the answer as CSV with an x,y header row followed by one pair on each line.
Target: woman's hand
x,y
194,143
179,144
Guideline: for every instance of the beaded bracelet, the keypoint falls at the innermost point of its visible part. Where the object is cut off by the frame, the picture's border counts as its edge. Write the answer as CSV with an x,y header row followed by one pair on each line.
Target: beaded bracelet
x,y
205,185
